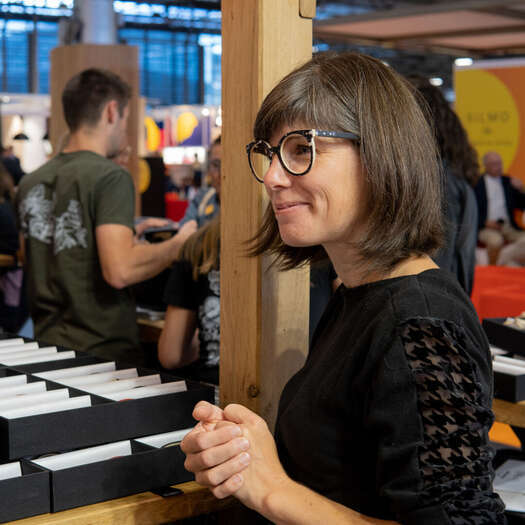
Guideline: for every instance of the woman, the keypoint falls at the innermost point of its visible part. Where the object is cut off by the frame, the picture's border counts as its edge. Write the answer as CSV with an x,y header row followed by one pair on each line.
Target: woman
x,y
388,418
460,175
192,295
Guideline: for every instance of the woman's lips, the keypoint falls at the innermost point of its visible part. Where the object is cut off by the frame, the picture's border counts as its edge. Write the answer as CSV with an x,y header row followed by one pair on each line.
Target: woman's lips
x,y
286,207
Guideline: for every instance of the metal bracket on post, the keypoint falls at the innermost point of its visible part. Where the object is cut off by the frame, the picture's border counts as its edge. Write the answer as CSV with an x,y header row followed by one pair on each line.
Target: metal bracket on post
x,y
307,8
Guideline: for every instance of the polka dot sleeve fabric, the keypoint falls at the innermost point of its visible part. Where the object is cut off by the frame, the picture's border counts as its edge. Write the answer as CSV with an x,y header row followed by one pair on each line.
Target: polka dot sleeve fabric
x,y
455,457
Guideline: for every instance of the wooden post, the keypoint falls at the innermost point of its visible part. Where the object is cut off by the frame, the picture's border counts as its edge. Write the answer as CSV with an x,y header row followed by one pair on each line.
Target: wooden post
x,y
264,314
67,61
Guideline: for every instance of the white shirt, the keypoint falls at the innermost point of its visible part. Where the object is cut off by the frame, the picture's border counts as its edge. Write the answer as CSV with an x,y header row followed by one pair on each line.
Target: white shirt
x,y
497,208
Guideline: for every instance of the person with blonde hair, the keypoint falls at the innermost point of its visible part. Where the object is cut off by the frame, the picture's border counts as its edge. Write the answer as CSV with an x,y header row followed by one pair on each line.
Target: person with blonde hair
x,y
387,421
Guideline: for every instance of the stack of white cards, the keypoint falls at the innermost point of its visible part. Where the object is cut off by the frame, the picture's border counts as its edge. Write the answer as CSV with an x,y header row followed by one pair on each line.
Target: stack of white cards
x,y
15,352
20,398
104,380
167,438
85,456
508,365
10,470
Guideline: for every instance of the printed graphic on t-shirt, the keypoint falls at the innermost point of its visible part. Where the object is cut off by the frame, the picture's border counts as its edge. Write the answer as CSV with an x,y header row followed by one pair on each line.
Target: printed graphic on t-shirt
x,y
209,319
37,220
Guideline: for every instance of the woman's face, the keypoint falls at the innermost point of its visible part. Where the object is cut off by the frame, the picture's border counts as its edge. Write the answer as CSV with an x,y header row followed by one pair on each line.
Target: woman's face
x,y
326,205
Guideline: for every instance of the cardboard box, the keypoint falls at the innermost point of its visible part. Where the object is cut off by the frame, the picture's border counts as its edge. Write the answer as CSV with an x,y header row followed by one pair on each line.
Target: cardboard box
x,y
146,468
24,496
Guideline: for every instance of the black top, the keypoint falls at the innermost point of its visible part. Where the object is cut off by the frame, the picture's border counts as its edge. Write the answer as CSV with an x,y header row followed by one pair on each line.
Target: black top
x,y
458,254
390,414
8,230
203,297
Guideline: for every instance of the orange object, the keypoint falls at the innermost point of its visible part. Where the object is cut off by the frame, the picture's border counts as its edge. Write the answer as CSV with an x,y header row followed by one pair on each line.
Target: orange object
x,y
498,291
502,433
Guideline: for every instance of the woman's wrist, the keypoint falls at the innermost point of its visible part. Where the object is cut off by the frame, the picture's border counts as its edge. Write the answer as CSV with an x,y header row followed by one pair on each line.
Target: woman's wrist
x,y
275,503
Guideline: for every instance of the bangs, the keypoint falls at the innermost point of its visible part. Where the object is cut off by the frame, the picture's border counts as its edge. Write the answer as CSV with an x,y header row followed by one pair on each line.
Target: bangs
x,y
298,100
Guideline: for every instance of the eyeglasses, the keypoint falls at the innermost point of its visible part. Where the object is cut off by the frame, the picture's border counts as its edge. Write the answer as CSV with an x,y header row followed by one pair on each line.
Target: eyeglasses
x,y
295,151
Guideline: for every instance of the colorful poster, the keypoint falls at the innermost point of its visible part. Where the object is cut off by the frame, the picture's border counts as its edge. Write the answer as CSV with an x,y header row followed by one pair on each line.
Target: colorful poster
x,y
490,101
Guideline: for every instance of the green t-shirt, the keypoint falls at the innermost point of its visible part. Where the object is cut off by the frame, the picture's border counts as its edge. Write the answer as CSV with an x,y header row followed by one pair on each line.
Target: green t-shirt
x,y
59,206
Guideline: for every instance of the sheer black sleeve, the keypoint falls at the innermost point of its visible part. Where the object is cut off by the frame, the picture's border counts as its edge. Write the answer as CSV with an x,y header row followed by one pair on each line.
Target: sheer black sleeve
x,y
432,413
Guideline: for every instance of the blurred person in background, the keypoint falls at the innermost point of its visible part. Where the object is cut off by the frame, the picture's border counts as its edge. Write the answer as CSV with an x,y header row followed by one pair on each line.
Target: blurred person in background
x,y
76,214
460,170
498,195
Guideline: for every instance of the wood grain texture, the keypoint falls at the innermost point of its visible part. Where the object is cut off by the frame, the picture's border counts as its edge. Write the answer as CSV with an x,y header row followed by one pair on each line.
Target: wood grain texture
x,y
510,413
67,61
144,509
264,315
307,8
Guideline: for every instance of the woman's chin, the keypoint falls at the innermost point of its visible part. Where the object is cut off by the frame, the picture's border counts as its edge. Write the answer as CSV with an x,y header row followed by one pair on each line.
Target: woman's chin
x,y
296,240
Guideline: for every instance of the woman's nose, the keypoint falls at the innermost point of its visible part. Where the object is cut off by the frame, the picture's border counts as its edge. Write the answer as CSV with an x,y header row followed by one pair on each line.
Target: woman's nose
x,y
276,176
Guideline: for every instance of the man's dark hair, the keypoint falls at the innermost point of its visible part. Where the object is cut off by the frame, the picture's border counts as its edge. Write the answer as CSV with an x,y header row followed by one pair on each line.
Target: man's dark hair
x,y
86,94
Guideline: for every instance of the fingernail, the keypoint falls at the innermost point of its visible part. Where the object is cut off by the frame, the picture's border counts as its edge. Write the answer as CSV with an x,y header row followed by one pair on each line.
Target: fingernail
x,y
236,431
244,444
244,458
237,479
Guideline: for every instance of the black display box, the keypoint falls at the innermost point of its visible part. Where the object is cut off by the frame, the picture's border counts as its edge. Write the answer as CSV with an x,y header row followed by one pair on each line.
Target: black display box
x,y
505,337
24,496
104,422
145,469
509,387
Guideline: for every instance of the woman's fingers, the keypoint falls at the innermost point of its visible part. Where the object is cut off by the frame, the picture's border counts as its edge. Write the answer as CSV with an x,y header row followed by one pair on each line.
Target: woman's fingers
x,y
216,455
219,474
229,487
198,441
204,411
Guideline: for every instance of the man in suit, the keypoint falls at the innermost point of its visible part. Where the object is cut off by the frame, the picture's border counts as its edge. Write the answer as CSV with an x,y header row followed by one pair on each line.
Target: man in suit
x,y
498,195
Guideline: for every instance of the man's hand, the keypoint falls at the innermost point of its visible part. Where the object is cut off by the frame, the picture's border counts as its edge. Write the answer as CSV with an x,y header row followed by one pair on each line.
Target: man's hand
x,y
151,222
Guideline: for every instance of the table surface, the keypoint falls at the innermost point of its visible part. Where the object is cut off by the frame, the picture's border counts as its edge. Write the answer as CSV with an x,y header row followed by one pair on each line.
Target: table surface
x,y
144,509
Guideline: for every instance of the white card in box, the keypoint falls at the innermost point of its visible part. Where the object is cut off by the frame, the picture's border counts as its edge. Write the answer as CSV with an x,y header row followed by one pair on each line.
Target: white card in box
x,y
103,377
19,379
47,408
85,456
18,348
124,384
11,342
17,390
148,391
10,470
505,368
33,399
77,371
161,440
58,356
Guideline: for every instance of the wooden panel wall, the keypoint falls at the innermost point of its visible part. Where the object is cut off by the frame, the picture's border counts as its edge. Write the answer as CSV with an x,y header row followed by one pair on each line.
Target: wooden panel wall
x,y
264,314
67,61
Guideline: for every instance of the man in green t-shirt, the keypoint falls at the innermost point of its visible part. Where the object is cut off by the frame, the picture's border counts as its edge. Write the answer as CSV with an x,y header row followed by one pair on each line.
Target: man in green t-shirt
x,y
76,215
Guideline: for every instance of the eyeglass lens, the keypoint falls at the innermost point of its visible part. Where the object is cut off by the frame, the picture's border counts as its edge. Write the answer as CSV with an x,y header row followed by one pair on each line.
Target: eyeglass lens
x,y
296,155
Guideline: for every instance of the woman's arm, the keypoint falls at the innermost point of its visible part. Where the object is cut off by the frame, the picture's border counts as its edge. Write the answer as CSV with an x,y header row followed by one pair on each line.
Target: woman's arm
x,y
177,344
248,468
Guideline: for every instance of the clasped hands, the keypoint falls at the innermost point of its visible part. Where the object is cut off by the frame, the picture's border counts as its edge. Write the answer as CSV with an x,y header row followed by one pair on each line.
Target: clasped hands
x,y
232,452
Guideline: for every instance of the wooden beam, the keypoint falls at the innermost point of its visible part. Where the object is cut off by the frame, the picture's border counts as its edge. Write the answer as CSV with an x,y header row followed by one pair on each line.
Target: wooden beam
x,y
264,314
67,61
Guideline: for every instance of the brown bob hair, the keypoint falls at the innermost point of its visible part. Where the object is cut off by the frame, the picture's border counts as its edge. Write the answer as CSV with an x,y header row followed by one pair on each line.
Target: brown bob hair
x,y
359,94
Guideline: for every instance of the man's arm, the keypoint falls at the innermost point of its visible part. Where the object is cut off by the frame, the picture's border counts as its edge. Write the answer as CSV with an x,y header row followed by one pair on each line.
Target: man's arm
x,y
124,262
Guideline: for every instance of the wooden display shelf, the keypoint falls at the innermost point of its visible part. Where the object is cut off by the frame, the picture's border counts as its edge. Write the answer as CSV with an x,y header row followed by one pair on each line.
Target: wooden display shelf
x,y
510,413
146,508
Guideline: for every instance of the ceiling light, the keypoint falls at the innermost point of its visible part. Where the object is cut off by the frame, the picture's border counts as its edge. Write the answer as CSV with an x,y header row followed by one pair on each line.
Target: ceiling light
x,y
436,81
465,61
